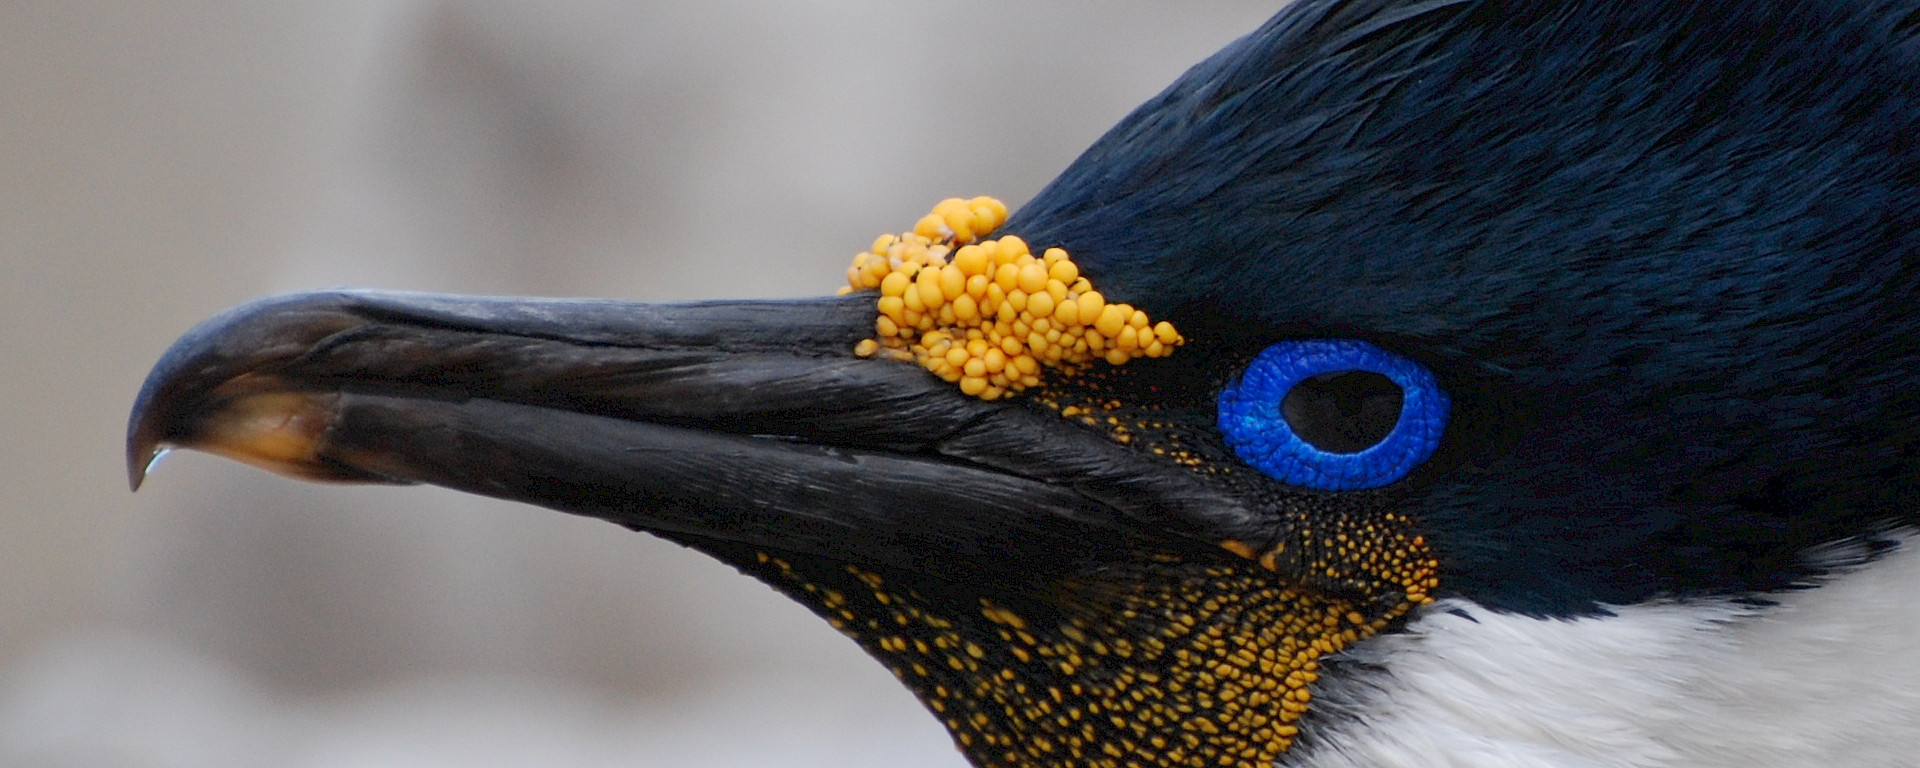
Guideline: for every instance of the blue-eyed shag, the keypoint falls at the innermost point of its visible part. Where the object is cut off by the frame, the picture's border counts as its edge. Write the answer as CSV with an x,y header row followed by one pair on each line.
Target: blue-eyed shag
x,y
1414,382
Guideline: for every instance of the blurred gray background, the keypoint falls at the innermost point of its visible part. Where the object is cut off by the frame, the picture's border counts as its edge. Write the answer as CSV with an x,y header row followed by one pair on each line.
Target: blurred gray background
x,y
162,161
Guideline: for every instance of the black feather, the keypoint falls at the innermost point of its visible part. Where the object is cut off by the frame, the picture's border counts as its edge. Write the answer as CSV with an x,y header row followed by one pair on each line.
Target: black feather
x,y
1667,250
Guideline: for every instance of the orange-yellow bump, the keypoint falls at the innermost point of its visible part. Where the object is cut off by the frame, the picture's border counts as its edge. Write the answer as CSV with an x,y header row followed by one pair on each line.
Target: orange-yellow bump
x,y
990,314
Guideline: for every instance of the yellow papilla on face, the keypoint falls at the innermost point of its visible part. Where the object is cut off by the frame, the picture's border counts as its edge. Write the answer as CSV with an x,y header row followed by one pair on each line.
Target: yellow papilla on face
x,y
988,314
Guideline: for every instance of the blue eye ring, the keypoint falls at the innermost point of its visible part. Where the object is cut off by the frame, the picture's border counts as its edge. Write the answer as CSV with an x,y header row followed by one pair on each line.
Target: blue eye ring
x,y
1251,420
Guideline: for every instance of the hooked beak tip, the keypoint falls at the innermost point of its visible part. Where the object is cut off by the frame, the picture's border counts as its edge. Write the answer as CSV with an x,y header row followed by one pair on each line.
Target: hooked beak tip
x,y
137,468
144,448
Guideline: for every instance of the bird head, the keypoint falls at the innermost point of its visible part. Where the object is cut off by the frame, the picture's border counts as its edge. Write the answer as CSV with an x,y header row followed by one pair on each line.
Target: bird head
x,y
1543,308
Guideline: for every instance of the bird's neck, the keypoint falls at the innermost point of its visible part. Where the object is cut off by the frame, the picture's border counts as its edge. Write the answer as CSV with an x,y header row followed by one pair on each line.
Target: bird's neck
x,y
1822,676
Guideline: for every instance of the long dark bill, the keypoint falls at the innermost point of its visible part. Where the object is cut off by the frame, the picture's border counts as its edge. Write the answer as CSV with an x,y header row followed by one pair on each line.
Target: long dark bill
x,y
745,422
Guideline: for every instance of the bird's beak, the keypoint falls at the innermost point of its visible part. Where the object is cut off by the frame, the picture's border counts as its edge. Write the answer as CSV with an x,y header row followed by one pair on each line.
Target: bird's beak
x,y
745,422
989,552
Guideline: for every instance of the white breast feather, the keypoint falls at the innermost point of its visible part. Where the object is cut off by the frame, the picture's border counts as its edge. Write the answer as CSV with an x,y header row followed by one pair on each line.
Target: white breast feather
x,y
1828,677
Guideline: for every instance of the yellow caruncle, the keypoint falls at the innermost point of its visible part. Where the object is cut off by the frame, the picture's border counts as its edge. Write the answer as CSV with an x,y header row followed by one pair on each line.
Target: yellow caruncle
x,y
988,314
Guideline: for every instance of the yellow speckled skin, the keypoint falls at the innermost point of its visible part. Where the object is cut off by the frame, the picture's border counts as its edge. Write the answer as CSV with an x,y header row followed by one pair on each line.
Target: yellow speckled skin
x,y
1161,663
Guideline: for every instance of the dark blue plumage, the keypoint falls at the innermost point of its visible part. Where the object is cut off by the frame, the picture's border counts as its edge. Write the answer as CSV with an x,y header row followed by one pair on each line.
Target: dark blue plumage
x,y
1670,247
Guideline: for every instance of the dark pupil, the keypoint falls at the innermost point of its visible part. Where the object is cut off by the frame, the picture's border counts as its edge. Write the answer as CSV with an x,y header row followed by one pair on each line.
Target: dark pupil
x,y
1343,411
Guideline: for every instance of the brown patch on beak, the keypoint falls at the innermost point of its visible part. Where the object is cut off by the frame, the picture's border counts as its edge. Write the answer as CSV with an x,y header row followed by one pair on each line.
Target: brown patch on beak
x,y
252,419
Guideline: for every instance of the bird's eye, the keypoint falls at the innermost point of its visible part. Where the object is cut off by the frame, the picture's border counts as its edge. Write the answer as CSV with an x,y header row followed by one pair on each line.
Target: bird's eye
x,y
1333,414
